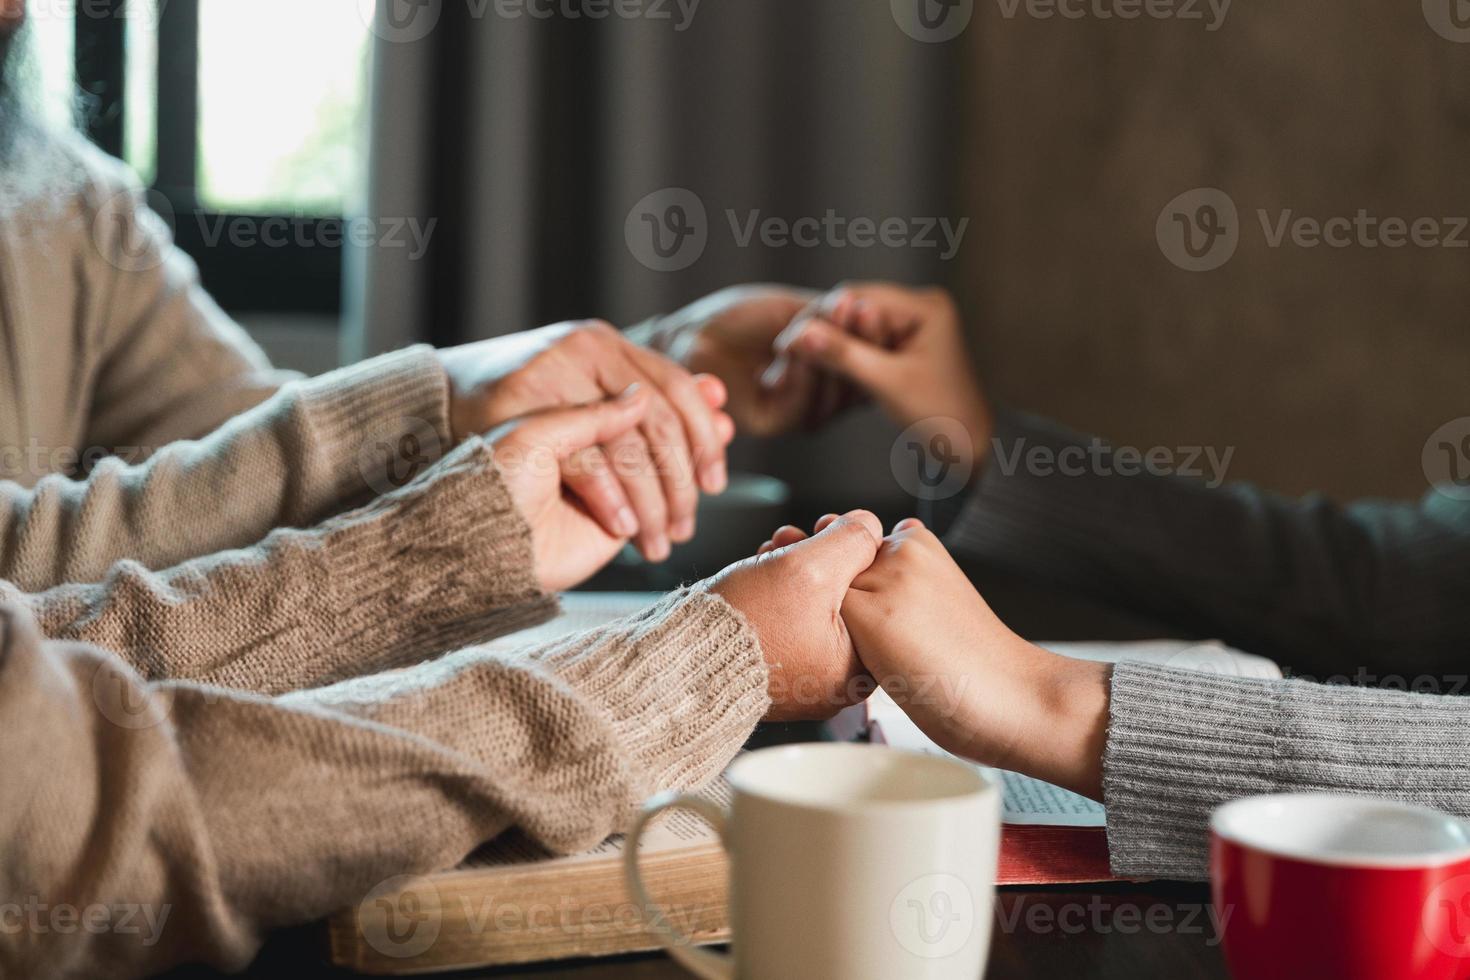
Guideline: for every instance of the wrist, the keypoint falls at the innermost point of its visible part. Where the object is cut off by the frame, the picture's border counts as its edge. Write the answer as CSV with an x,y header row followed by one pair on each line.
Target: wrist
x,y
1041,714
652,333
1075,696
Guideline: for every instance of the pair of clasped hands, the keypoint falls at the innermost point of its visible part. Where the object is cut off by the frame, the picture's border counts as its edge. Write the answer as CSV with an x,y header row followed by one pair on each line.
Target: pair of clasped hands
x,y
605,438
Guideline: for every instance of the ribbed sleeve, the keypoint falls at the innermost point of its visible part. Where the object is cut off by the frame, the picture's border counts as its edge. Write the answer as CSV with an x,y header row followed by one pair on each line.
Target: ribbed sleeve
x,y
444,562
1320,588
1181,743
314,449
238,813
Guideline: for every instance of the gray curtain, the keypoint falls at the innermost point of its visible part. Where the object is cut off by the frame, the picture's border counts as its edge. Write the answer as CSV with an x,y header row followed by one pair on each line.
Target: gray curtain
x,y
531,140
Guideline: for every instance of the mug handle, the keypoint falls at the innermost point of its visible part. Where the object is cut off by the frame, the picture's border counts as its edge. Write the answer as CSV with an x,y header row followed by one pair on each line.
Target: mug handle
x,y
701,962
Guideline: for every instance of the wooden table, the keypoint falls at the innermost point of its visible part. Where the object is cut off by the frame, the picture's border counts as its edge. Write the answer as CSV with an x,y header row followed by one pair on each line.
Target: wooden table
x,y
1106,932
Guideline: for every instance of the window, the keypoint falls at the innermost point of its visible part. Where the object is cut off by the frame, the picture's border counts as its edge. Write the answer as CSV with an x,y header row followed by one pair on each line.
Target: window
x,y
56,51
246,119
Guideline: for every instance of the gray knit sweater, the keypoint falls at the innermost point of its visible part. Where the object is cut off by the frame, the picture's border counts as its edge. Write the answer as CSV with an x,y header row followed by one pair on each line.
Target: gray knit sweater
x,y
1374,593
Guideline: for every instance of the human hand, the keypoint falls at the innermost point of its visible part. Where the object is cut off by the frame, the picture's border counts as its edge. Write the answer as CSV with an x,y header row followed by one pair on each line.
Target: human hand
x,y
532,453
677,449
970,683
731,335
906,349
792,598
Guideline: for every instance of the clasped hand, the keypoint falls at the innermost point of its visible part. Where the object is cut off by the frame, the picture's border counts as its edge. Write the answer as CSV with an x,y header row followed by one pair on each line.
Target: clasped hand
x,y
847,609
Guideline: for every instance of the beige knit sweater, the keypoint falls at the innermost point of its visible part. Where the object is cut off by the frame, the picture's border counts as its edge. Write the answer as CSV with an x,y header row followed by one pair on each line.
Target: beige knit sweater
x,y
178,775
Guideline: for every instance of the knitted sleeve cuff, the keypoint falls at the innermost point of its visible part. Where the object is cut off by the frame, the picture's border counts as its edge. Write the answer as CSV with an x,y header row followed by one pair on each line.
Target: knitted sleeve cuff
x,y
373,427
574,735
683,684
1180,743
445,562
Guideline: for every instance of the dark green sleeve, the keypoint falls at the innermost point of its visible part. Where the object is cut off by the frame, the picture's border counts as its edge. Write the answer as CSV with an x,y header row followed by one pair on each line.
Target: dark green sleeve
x,y
1376,589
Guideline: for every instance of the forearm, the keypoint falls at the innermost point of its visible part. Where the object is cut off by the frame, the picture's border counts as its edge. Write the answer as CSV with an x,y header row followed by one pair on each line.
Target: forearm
x,y
442,563
314,449
1024,709
243,814
1319,587
1161,748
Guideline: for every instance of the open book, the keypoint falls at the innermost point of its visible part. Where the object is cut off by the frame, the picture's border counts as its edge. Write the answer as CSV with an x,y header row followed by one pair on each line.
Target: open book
x,y
513,903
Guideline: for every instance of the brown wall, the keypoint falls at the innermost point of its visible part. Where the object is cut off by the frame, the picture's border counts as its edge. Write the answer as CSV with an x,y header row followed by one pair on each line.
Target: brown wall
x,y
1327,368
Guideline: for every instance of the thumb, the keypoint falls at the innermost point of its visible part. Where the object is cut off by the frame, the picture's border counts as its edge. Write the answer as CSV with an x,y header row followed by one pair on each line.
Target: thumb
x,y
568,431
854,358
844,549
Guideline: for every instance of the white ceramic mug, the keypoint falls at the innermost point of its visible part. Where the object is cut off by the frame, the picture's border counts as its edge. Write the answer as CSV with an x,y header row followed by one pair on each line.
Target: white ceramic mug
x,y
848,862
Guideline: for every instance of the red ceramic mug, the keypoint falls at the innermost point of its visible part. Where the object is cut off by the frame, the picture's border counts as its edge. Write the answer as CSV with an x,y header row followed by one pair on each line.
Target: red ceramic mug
x,y
1354,888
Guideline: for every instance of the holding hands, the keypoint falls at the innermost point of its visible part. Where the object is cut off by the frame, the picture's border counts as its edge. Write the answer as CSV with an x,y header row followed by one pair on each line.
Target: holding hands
x,y
643,483
923,633
791,358
766,357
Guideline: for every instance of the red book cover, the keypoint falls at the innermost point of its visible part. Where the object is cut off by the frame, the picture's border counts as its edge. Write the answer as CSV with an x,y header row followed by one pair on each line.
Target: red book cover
x,y
1040,854
1037,855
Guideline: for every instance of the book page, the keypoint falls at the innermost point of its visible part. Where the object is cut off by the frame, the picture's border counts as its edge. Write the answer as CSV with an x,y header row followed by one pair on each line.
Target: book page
x,y
1024,801
580,611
